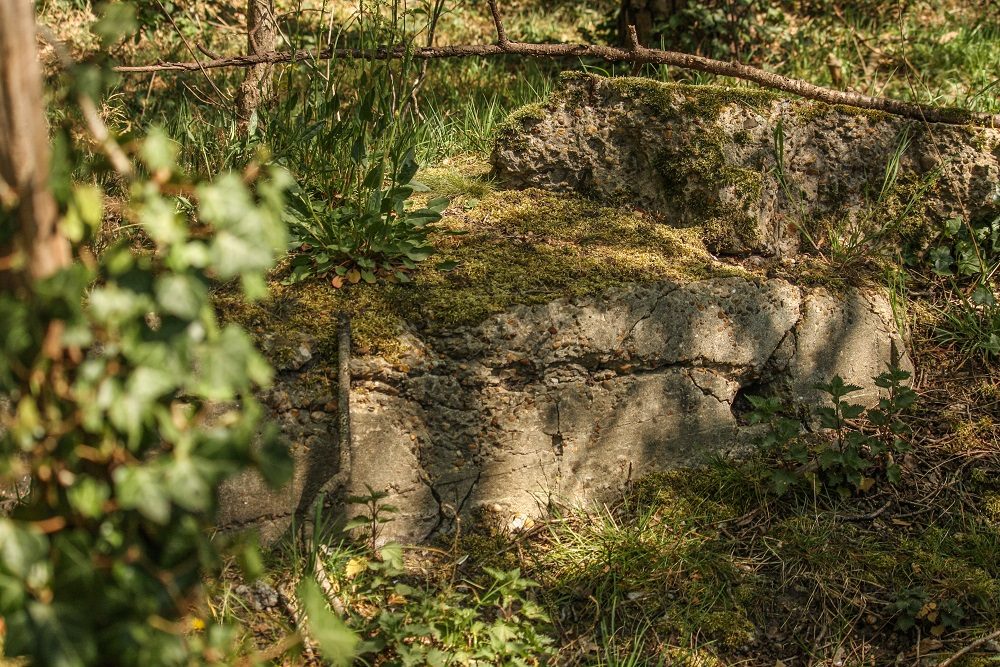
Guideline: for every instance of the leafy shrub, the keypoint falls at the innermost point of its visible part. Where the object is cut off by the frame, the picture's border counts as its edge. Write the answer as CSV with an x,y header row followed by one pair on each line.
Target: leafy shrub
x,y
968,256
409,621
853,441
914,607
377,241
132,404
349,136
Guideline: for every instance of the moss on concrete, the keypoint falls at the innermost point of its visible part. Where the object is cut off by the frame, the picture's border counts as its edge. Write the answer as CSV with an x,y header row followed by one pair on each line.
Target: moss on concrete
x,y
510,133
513,247
719,197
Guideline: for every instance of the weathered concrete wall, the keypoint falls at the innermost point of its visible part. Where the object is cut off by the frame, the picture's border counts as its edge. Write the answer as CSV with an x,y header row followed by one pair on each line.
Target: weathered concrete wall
x,y
707,156
561,402
564,402
564,398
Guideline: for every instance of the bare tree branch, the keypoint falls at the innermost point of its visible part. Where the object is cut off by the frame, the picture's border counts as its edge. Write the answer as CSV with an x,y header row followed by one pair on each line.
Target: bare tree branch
x,y
502,40
635,53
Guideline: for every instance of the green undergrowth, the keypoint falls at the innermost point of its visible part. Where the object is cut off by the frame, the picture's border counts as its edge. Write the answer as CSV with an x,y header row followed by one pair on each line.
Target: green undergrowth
x,y
507,248
705,560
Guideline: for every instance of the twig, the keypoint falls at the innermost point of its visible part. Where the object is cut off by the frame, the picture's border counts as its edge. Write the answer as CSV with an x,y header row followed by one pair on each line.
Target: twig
x,y
971,647
189,47
641,55
502,40
206,52
633,38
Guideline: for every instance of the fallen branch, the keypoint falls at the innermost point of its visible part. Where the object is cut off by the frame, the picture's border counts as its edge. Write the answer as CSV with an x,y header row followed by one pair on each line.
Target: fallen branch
x,y
971,647
635,53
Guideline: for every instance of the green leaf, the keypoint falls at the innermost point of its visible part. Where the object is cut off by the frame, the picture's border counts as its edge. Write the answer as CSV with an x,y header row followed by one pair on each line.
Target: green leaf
x,y
407,169
181,295
419,255
188,484
159,218
159,152
983,296
87,497
21,548
228,366
85,211
449,265
138,487
336,641
392,558
893,473
782,480
117,20
57,634
941,261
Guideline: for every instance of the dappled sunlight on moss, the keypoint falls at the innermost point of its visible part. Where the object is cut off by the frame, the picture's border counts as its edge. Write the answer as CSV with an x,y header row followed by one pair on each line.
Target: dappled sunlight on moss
x,y
707,558
510,247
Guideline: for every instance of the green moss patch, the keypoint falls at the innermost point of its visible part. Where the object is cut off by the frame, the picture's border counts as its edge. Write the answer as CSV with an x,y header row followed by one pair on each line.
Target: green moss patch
x,y
707,560
523,247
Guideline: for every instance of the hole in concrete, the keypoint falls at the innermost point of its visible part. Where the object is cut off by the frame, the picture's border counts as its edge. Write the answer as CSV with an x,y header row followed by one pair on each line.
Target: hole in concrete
x,y
741,405
557,444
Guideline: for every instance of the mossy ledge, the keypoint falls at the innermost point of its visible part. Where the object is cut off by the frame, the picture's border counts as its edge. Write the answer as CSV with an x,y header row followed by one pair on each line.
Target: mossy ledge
x,y
514,247
708,157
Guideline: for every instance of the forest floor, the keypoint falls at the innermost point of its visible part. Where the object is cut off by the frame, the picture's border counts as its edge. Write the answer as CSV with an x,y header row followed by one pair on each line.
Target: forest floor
x,y
705,566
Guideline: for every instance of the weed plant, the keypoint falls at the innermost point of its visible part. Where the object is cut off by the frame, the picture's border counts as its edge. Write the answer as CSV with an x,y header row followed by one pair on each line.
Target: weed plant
x,y
968,258
853,441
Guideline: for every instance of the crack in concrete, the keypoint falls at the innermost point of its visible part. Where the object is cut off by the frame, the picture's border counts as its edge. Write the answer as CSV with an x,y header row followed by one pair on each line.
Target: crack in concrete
x,y
557,437
791,331
443,514
440,505
707,391
631,329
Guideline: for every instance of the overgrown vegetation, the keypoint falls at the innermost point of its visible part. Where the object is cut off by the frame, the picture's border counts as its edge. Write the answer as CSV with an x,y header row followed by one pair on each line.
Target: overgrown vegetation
x,y
870,537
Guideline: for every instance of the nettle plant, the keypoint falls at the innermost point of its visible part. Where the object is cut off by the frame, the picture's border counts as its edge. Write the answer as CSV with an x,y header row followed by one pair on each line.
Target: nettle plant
x,y
854,445
968,256
407,619
132,403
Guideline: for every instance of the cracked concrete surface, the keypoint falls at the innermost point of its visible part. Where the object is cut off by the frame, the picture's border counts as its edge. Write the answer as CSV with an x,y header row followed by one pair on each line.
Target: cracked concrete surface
x,y
565,401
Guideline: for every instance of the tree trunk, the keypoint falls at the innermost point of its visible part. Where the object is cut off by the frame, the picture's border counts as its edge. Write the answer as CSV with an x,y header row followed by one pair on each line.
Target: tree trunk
x,y
24,153
262,37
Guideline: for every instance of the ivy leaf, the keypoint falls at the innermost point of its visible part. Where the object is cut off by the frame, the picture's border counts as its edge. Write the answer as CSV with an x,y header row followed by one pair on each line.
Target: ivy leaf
x,y
336,641
188,484
21,548
159,152
181,295
117,20
983,296
138,487
55,633
87,497
228,366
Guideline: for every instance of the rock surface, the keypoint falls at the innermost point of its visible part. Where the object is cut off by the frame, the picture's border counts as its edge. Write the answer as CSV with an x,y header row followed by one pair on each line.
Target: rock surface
x,y
643,347
705,156
565,402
